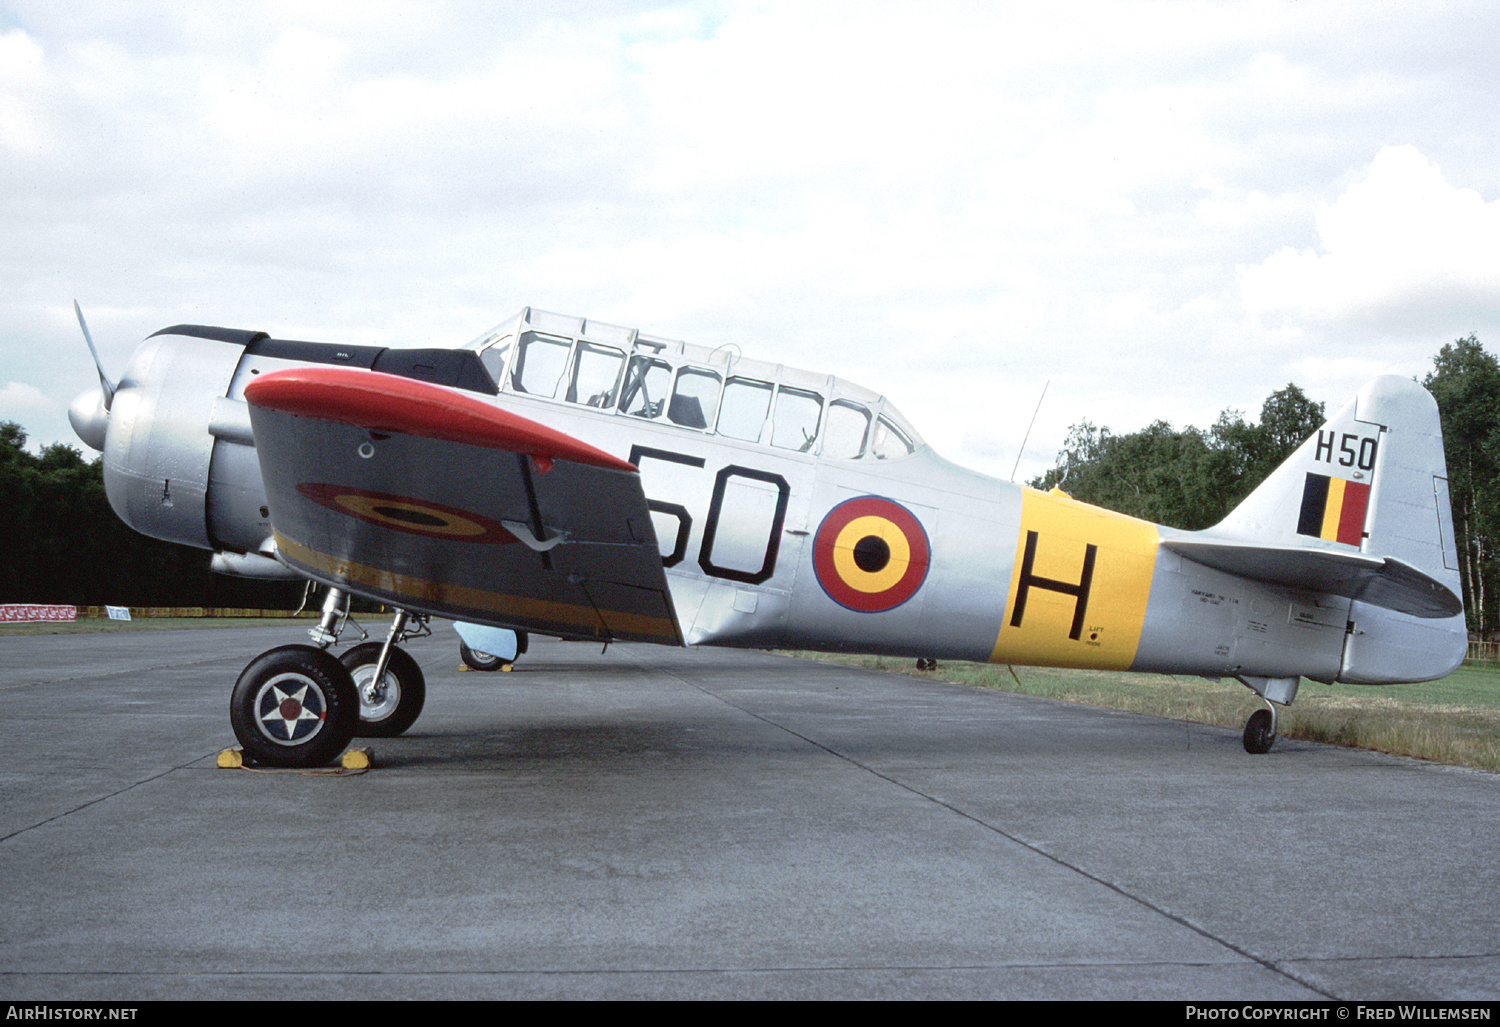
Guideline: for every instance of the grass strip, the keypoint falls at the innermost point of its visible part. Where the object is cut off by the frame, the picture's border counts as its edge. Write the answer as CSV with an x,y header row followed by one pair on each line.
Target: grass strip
x,y
1455,720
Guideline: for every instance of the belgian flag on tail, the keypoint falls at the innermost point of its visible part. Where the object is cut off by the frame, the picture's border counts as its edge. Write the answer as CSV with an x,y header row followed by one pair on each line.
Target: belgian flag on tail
x,y
1333,509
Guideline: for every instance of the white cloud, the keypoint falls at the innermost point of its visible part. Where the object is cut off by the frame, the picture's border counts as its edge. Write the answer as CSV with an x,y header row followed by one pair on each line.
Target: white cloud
x,y
1399,243
44,418
20,57
950,203
21,115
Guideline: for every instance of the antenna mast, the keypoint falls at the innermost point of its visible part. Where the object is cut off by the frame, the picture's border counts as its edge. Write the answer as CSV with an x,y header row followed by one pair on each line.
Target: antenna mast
x,y
1027,436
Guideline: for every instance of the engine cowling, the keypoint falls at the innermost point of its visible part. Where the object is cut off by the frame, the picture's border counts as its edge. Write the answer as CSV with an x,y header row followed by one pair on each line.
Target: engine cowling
x,y
158,448
179,451
179,454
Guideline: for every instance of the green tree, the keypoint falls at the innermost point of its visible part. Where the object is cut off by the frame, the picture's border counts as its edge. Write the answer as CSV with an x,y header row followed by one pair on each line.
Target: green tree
x,y
16,499
61,543
1185,479
1465,381
1287,419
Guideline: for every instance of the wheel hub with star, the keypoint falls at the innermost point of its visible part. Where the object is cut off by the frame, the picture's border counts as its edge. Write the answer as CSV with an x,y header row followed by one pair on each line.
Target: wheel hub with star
x,y
290,709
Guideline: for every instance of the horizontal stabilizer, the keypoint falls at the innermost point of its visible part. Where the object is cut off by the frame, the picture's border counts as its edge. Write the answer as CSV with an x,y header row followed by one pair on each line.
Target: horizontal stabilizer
x,y
1380,581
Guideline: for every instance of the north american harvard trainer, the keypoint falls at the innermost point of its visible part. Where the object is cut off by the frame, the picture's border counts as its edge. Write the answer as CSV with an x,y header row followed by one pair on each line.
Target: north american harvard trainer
x,y
587,481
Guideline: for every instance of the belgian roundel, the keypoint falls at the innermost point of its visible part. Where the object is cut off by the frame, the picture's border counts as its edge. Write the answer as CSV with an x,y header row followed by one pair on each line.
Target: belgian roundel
x,y
414,516
870,554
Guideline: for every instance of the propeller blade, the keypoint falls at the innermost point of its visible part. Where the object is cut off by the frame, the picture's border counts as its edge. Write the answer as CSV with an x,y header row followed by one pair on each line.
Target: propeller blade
x,y
104,382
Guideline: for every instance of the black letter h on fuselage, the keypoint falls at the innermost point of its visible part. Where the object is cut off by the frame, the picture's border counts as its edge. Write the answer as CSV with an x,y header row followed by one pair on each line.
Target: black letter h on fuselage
x,y
1080,591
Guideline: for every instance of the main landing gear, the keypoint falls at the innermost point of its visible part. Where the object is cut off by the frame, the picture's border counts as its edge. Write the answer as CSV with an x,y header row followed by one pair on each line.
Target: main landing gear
x,y
474,659
391,704
299,706
487,648
294,706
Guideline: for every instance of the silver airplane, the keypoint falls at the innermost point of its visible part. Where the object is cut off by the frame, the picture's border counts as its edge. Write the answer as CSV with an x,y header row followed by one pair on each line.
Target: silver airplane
x,y
587,481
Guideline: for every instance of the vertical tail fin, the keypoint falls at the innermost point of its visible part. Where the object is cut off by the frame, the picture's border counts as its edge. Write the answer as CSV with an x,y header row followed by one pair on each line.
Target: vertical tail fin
x,y
1371,488
1372,480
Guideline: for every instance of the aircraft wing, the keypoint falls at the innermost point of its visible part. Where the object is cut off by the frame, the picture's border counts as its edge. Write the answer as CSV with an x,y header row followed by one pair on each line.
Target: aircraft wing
x,y
1380,581
438,502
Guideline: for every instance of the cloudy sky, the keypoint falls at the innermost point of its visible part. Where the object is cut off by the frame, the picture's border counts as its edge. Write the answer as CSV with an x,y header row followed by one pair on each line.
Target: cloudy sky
x,y
1162,208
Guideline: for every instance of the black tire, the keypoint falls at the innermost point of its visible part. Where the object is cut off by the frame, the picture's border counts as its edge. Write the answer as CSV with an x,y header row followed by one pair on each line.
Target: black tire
x,y
476,660
1258,734
522,639
294,706
405,690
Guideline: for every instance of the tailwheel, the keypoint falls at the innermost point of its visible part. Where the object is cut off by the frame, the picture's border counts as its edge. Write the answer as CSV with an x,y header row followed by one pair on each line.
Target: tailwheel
x,y
294,706
387,708
1260,732
476,660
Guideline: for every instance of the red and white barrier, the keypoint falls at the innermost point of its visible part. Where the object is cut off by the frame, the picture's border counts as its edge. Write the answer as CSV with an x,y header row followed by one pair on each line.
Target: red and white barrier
x,y
20,613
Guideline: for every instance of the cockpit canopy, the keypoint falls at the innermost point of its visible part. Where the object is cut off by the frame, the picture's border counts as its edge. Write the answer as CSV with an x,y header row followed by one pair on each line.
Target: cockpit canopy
x,y
621,371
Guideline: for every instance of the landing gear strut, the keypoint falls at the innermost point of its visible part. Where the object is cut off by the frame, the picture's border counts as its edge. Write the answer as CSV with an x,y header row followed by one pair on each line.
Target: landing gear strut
x,y
391,687
335,617
389,707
